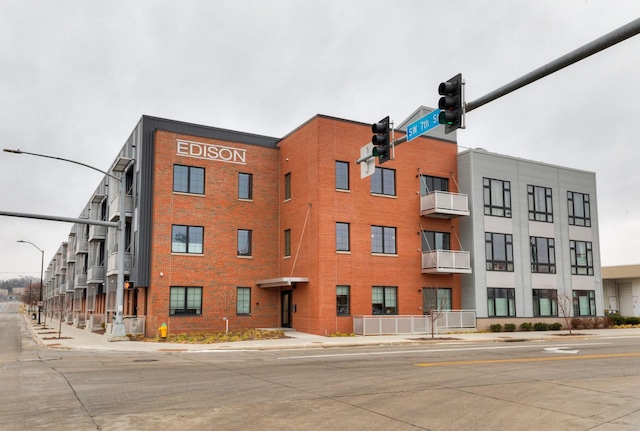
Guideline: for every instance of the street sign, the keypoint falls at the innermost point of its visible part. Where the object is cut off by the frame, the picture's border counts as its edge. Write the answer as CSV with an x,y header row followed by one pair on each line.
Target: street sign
x,y
423,125
367,167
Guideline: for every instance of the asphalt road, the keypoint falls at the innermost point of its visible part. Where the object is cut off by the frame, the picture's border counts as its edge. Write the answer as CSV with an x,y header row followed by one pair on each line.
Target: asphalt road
x,y
577,385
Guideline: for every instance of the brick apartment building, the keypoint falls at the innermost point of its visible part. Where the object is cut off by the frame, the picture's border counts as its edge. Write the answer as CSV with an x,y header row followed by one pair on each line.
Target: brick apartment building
x,y
229,228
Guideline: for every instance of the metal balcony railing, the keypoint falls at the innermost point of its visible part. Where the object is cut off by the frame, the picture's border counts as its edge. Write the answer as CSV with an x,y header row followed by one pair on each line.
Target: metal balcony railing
x,y
444,204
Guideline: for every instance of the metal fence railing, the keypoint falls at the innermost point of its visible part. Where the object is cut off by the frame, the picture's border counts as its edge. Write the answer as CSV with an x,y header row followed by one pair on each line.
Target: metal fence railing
x,y
395,325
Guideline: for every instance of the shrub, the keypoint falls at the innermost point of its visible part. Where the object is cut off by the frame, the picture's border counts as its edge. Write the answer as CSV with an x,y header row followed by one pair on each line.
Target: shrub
x,y
526,326
632,320
540,326
555,326
616,319
509,327
496,327
577,323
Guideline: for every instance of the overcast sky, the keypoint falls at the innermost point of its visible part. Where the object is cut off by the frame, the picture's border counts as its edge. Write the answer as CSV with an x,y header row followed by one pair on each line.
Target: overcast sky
x,y
76,76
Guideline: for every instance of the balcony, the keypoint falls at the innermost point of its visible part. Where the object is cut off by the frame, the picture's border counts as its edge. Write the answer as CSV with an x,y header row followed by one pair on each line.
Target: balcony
x,y
114,207
446,262
112,264
97,233
81,281
444,205
82,247
95,275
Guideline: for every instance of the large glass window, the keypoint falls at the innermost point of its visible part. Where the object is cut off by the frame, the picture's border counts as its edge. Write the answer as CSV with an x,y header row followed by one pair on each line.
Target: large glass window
x,y
499,251
581,257
584,303
342,175
287,186
287,242
187,239
342,237
545,302
383,239
501,302
343,300
543,255
245,186
185,301
540,204
579,209
435,241
436,298
497,197
384,300
383,182
244,242
188,179
243,301
430,184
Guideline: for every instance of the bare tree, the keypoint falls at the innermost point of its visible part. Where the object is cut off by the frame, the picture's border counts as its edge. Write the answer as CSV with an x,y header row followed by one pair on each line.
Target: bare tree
x,y
565,307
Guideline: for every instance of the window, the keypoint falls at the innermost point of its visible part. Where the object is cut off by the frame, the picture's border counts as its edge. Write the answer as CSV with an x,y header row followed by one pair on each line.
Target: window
x,y
435,241
287,186
342,237
581,257
342,175
499,250
383,182
543,255
579,209
429,184
187,239
436,298
188,179
245,186
501,302
384,300
343,300
243,301
185,301
383,240
545,302
584,303
540,204
497,197
244,242
287,242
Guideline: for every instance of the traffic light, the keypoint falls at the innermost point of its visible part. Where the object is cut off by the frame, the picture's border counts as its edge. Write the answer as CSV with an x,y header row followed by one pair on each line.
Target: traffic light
x,y
129,285
451,103
381,140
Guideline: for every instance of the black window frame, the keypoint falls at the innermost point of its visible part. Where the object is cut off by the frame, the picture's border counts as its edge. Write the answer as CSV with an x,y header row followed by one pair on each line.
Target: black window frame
x,y
385,232
430,183
493,264
436,298
581,207
430,240
343,243
578,268
491,207
243,300
287,186
492,295
343,300
187,241
540,211
287,242
591,297
385,308
249,240
185,310
383,182
342,175
537,247
245,186
190,181
552,295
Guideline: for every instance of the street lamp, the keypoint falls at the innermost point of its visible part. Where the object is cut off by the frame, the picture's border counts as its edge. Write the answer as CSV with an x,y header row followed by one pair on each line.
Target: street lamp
x,y
41,272
118,332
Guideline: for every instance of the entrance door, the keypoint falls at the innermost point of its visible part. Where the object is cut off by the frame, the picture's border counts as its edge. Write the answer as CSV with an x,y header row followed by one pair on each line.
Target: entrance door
x,y
286,308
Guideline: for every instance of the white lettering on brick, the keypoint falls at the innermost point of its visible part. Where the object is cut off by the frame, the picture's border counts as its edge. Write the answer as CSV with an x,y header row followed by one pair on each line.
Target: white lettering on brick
x,y
219,153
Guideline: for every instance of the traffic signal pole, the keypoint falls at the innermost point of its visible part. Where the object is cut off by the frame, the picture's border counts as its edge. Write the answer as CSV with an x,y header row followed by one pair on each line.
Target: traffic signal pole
x,y
600,44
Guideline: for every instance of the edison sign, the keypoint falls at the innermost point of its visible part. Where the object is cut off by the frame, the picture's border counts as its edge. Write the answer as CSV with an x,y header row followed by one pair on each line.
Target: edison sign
x,y
218,153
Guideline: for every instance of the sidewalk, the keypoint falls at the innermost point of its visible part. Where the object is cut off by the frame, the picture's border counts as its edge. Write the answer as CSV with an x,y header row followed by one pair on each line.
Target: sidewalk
x,y
74,338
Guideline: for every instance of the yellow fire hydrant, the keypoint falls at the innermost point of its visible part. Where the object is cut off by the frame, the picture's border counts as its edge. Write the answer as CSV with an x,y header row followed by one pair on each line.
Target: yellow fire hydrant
x,y
163,331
